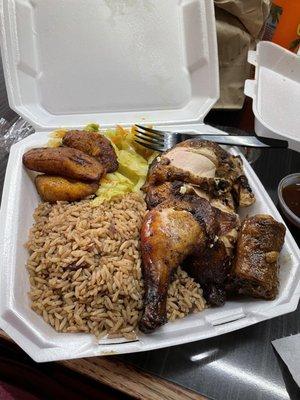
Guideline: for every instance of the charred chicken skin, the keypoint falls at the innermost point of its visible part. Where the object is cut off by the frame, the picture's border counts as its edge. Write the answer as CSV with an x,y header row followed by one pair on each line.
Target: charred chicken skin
x,y
176,230
210,265
168,235
255,268
171,190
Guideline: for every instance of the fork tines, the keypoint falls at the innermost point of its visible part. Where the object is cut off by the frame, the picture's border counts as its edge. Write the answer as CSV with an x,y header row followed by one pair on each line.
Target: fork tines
x,y
150,138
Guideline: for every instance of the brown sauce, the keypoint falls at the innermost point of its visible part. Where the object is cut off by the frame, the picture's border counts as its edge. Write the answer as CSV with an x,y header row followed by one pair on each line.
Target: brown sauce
x,y
291,196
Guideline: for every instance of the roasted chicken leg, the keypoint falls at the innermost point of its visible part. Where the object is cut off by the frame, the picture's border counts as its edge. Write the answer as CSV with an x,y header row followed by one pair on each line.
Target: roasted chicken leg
x,y
185,226
168,235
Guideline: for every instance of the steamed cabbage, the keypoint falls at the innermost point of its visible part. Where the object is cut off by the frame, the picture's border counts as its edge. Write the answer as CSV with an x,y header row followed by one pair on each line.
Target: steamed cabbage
x,y
132,165
113,184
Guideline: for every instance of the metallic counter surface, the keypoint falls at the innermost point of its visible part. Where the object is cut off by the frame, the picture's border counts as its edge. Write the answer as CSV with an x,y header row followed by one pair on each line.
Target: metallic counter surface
x,y
241,365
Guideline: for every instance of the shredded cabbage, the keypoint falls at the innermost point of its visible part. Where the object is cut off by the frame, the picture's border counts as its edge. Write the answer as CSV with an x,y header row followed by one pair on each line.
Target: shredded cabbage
x,y
113,184
132,165
56,137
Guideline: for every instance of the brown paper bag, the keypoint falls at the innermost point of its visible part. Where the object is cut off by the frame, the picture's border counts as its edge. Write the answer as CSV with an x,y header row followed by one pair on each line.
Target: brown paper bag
x,y
239,26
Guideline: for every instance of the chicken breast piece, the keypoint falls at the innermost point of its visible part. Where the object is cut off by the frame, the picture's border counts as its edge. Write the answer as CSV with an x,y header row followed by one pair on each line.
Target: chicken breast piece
x,y
193,162
56,188
205,165
163,171
94,144
255,268
64,161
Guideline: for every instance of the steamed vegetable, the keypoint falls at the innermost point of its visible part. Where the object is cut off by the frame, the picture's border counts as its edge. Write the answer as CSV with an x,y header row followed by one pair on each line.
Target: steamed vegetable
x,y
132,165
112,185
92,128
56,137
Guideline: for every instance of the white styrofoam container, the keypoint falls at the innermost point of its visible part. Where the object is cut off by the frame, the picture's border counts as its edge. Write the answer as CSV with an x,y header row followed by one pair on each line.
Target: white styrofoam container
x,y
73,62
276,93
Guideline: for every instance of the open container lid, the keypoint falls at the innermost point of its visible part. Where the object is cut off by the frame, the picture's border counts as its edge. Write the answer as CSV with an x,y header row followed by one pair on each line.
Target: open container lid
x,y
68,63
276,92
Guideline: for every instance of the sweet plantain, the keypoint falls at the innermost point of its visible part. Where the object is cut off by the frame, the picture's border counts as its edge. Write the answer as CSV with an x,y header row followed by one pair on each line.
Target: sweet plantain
x,y
94,144
56,188
64,161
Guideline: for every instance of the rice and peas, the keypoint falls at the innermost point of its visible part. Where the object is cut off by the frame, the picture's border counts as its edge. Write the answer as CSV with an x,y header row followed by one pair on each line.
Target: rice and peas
x,y
85,265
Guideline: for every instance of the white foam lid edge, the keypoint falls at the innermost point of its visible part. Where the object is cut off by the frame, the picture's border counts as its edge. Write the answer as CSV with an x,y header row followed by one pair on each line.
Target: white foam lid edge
x,y
275,91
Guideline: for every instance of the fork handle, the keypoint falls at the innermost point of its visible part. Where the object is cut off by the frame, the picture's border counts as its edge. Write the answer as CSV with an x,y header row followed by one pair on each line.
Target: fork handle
x,y
274,143
245,141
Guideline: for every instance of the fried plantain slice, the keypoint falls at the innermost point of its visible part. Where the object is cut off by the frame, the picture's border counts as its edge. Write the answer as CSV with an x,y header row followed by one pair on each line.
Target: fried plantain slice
x,y
56,188
64,161
94,144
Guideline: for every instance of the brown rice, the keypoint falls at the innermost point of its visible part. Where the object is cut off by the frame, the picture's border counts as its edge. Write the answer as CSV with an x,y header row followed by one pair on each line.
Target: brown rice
x,y
85,268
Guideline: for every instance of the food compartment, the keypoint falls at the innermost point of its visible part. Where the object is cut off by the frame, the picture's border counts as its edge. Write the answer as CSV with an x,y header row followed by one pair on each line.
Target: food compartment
x,y
44,344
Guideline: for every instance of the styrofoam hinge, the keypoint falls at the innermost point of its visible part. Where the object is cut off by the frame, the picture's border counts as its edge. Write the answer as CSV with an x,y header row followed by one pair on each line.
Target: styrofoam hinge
x,y
252,57
249,88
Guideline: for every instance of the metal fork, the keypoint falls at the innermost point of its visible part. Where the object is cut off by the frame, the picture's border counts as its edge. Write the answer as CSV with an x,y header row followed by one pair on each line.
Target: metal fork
x,y
164,140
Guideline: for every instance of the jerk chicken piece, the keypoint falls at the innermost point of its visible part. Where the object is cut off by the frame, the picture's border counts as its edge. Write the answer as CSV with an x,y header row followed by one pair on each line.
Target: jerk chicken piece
x,y
164,228
204,164
255,268
157,194
64,161
171,190
210,268
210,265
95,145
209,183
178,228
56,188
